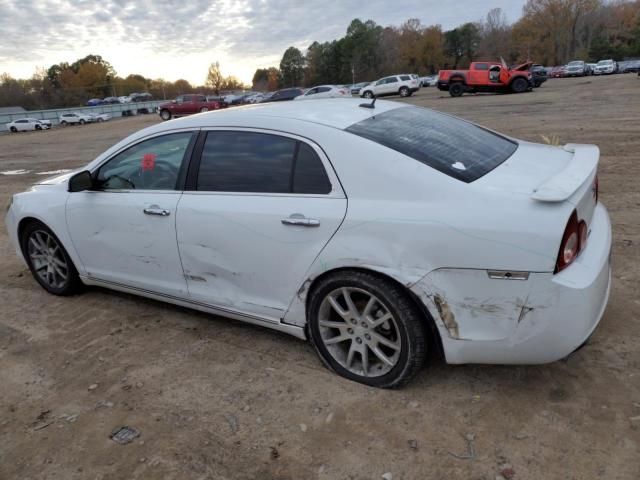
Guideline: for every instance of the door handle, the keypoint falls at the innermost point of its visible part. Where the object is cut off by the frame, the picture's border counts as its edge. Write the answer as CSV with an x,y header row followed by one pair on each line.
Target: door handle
x,y
300,220
155,210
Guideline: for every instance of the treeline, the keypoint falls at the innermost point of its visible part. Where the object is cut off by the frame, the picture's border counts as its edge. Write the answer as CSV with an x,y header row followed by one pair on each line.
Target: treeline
x,y
72,84
550,32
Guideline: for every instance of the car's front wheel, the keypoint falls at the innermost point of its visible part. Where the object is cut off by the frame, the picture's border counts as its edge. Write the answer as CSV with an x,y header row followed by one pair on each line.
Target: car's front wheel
x,y
519,85
48,261
82,122
204,109
368,94
14,129
367,329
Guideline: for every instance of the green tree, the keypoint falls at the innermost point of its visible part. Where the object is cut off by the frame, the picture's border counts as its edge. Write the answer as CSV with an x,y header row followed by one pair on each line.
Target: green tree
x,y
292,67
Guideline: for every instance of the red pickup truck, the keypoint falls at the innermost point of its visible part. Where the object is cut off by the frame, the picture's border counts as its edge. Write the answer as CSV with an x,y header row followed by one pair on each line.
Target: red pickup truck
x,y
187,105
486,77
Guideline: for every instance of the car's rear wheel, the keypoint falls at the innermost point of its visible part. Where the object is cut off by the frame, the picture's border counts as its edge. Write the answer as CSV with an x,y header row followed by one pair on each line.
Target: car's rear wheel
x,y
519,85
365,328
456,89
165,115
82,122
13,129
48,261
100,120
368,94
63,123
404,92
204,109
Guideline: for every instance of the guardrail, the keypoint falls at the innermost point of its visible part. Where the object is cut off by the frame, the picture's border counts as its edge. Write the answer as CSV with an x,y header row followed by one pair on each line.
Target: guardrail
x,y
115,110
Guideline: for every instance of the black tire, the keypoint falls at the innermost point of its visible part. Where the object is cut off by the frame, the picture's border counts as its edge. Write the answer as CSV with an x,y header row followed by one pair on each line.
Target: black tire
x,y
411,327
100,120
519,85
73,284
367,94
14,129
38,127
404,92
165,115
204,109
82,122
63,123
456,89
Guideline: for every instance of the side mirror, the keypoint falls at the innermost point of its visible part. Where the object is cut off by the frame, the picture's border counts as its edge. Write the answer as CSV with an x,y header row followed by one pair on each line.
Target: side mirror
x,y
81,181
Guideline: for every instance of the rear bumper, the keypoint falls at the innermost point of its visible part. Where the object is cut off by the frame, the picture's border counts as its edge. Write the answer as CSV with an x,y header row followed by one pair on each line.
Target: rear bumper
x,y
555,316
443,86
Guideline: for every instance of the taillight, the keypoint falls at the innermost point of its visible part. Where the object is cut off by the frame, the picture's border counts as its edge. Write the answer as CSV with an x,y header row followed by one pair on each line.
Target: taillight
x,y
574,241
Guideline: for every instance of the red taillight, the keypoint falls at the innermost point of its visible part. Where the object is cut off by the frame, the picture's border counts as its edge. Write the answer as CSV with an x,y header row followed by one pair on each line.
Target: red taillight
x,y
574,241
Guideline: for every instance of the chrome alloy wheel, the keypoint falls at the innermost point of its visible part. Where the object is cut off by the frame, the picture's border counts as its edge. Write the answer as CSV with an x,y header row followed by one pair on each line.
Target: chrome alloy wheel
x,y
359,332
47,259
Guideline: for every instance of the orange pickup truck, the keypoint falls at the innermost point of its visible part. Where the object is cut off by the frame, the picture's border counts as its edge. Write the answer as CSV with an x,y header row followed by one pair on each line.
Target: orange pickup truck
x,y
486,77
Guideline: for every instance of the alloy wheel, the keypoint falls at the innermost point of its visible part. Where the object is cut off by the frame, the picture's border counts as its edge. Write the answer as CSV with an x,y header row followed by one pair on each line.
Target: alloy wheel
x,y
359,332
47,259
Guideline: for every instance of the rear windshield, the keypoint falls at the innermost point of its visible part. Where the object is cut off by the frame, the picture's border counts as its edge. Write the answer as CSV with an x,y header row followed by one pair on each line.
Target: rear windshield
x,y
452,146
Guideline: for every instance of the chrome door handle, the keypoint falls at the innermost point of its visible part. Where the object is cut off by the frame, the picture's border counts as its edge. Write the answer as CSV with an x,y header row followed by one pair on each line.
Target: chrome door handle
x,y
300,221
155,210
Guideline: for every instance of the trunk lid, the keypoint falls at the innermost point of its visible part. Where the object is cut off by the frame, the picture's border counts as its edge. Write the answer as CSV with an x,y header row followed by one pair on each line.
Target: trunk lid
x,y
549,174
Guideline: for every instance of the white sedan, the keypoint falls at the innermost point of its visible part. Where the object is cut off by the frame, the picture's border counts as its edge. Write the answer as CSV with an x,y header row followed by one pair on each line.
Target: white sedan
x,y
376,232
325,91
28,124
100,117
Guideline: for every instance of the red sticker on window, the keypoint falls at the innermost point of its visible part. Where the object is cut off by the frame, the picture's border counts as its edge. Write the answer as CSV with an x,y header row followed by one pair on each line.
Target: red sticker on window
x,y
149,161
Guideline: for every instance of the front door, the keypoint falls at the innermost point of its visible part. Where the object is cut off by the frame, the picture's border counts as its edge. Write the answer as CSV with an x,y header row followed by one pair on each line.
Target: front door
x,y
124,229
262,208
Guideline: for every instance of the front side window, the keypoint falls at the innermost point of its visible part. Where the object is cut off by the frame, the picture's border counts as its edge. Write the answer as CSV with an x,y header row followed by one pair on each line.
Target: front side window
x,y
153,164
251,162
450,145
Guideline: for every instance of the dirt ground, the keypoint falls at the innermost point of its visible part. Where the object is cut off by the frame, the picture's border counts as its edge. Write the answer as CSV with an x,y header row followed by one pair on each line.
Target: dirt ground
x,y
216,399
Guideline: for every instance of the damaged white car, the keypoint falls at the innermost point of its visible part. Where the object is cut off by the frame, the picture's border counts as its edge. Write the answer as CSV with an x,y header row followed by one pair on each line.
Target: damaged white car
x,y
378,232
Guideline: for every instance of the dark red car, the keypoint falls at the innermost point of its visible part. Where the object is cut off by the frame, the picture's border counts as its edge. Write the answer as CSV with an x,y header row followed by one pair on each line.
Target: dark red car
x,y
558,72
187,105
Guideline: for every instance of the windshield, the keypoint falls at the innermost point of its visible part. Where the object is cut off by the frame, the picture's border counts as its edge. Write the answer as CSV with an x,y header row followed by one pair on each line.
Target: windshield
x,y
605,62
452,146
575,64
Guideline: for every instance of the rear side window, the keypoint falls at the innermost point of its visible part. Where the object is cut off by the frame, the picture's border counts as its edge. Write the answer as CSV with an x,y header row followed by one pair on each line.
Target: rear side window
x,y
252,162
405,77
481,66
452,146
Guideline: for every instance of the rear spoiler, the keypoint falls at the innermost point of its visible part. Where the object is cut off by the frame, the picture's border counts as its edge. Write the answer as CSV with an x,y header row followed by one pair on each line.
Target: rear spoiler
x,y
562,185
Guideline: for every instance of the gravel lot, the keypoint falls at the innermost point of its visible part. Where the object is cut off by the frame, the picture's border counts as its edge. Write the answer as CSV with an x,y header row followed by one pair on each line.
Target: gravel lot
x,y
217,399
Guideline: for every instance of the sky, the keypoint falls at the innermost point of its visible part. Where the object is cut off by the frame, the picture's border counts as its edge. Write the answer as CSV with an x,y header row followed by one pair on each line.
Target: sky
x,y
179,39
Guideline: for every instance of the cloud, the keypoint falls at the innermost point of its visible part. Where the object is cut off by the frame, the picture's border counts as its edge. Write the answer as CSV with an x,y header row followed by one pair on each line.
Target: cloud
x,y
245,33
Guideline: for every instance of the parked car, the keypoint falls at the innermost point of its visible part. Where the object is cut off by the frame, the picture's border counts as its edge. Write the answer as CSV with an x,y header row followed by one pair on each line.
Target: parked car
x,y
141,97
356,87
324,91
429,81
111,100
430,252
629,66
538,75
486,77
74,118
28,124
94,102
100,117
558,72
124,99
577,68
404,85
284,95
186,105
606,67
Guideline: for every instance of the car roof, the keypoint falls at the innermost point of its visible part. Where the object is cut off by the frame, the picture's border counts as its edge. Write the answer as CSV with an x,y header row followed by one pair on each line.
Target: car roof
x,y
338,113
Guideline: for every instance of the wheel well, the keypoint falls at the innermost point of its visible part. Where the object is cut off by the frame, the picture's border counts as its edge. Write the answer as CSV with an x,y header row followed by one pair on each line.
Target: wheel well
x,y
457,78
23,224
436,341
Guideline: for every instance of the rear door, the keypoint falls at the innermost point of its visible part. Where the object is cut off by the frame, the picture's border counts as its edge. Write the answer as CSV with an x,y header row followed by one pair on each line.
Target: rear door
x,y
479,75
260,208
